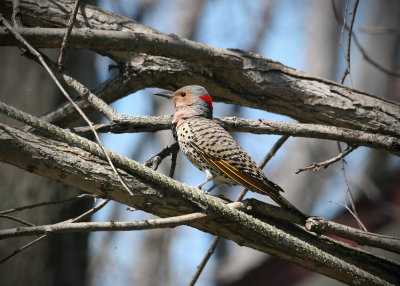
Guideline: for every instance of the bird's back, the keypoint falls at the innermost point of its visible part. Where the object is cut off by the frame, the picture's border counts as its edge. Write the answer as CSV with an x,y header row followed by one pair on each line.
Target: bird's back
x,y
199,136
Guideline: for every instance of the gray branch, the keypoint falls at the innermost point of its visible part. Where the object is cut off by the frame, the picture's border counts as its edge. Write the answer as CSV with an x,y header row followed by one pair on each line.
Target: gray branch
x,y
133,124
230,75
101,226
164,197
321,225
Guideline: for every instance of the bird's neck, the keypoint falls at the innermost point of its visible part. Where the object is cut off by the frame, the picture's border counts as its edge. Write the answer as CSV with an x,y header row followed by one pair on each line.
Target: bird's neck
x,y
183,113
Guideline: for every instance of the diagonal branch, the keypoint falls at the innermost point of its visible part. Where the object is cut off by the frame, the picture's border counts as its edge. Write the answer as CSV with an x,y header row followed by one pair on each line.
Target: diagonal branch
x,y
258,82
158,194
64,44
54,78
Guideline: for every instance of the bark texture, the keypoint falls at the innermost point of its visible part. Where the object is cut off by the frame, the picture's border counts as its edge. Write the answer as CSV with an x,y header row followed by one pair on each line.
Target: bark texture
x,y
78,168
231,76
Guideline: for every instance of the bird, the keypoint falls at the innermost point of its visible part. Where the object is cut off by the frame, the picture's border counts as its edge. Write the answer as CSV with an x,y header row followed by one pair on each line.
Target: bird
x,y
213,150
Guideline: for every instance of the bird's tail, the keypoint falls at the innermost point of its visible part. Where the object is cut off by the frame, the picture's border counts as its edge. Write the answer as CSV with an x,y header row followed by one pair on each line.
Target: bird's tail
x,y
284,203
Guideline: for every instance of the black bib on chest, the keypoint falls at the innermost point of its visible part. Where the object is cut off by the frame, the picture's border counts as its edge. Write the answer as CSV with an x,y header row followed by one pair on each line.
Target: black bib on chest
x,y
174,134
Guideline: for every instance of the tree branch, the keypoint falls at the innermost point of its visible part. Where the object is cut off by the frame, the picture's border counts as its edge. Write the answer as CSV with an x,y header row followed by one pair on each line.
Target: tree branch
x,y
243,78
325,164
162,196
82,196
170,222
323,226
54,78
76,219
65,43
131,124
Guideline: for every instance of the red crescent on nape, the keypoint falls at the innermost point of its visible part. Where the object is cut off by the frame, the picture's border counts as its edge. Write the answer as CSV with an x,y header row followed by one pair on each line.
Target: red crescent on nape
x,y
207,99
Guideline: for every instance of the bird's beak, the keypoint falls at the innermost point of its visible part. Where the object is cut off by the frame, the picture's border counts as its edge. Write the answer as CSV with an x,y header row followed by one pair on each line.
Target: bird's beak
x,y
165,93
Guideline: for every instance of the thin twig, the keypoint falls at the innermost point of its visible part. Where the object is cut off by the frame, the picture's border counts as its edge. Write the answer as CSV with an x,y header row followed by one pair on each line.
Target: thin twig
x,y
73,227
362,50
64,44
89,212
349,34
96,102
349,193
317,166
15,252
347,70
52,75
16,14
16,219
371,61
96,208
380,30
203,263
278,144
83,196
352,213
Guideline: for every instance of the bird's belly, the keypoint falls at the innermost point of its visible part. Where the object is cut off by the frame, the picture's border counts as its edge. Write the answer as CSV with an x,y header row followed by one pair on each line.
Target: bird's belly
x,y
220,178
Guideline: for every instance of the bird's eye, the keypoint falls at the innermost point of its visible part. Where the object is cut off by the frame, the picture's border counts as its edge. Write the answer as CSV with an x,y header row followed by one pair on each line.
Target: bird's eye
x,y
183,94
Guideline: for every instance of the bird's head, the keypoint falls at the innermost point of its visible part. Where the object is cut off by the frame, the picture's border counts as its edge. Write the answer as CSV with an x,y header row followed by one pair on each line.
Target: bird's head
x,y
191,100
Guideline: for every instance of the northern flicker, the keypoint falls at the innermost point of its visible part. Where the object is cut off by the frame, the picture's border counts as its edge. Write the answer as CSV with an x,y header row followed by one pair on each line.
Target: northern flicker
x,y
213,150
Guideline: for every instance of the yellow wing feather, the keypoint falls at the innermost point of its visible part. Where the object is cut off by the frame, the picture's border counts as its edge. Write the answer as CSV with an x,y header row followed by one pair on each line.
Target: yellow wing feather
x,y
249,182
235,174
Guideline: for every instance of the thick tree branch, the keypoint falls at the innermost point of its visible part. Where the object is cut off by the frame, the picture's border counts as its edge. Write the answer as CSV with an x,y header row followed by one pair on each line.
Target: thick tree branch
x,y
238,77
163,196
